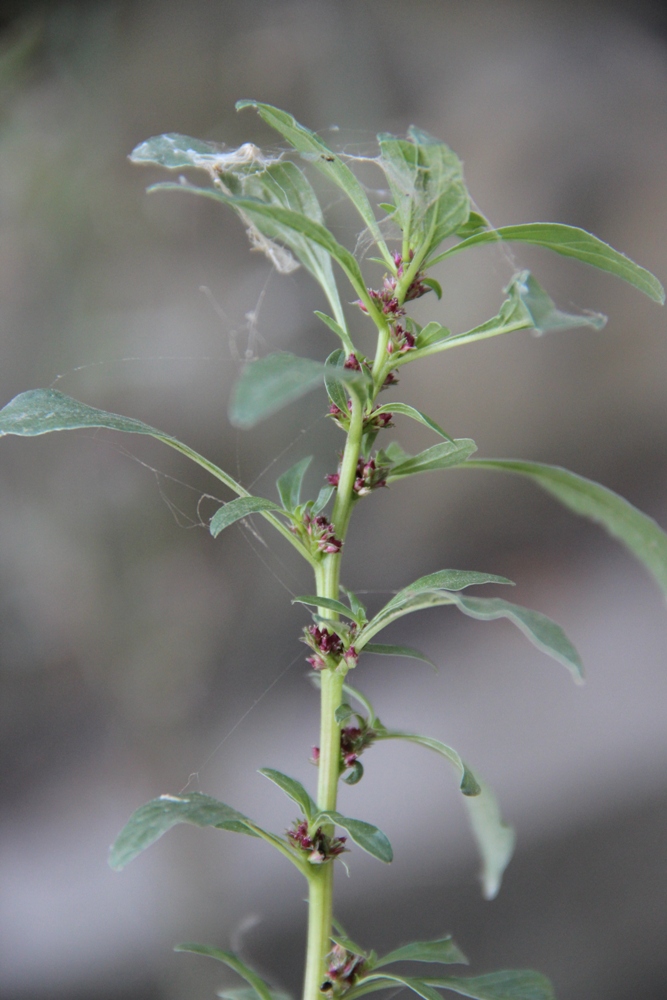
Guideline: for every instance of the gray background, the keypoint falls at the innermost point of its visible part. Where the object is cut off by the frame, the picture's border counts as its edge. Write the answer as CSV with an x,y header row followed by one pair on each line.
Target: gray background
x,y
138,656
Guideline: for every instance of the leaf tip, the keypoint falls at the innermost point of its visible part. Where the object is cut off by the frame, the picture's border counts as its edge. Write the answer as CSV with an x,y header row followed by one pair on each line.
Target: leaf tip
x,y
245,102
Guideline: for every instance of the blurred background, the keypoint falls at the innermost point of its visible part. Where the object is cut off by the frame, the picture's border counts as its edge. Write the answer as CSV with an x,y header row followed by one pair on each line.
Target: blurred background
x,y
138,656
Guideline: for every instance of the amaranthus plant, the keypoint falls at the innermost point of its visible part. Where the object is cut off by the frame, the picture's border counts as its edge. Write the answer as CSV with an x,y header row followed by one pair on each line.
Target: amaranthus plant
x,y
428,220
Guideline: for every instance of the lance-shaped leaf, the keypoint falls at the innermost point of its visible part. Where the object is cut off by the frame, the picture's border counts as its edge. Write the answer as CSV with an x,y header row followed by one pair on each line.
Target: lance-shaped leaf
x,y
42,411
237,509
382,649
364,835
428,591
469,784
426,182
361,698
269,384
323,498
342,938
570,241
439,456
542,631
248,993
293,788
329,602
382,980
246,172
527,307
325,159
289,227
495,839
289,484
283,185
474,224
409,411
510,984
259,988
639,533
336,328
152,820
179,152
432,333
332,384
356,605
443,951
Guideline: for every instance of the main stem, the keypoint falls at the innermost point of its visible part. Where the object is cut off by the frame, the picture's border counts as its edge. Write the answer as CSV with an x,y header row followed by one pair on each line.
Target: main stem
x,y
327,574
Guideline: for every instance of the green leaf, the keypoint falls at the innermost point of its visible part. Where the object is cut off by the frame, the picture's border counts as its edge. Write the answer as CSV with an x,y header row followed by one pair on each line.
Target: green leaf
x,y
342,938
323,498
521,984
355,774
364,835
269,384
293,788
439,456
434,285
432,333
328,602
259,988
384,650
543,314
293,229
332,384
540,630
570,241
468,783
639,533
289,484
474,224
428,591
237,509
443,951
247,993
358,608
343,713
148,823
495,839
322,157
177,152
410,411
528,307
426,182
380,981
246,172
339,330
448,579
41,411
363,701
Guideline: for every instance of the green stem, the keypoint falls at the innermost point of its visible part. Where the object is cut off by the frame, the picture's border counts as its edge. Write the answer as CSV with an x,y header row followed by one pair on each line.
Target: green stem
x,y
327,575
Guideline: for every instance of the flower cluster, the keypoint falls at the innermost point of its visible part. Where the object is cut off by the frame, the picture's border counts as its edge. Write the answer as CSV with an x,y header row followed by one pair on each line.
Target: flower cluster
x,y
369,476
400,339
372,421
343,969
319,532
329,649
318,845
353,741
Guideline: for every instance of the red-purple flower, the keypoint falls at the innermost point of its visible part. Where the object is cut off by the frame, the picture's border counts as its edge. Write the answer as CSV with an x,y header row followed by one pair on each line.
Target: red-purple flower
x,y
318,846
343,969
